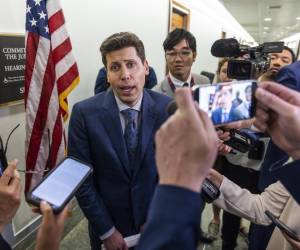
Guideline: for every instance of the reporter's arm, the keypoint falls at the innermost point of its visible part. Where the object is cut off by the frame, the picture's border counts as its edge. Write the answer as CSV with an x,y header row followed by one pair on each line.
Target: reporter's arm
x,y
173,220
242,203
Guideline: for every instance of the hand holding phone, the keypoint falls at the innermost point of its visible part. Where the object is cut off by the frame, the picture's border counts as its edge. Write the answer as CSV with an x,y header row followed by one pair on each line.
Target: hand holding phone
x,y
283,227
60,185
227,102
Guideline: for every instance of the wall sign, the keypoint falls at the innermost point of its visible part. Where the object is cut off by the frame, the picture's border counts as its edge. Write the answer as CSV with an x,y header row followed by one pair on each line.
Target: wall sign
x,y
12,68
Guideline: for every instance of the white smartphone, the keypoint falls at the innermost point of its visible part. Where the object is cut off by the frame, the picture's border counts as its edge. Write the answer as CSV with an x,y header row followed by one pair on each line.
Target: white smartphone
x,y
60,185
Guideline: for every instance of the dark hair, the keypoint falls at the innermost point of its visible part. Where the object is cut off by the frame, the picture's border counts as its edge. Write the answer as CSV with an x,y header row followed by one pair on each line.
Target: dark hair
x,y
119,41
292,53
176,36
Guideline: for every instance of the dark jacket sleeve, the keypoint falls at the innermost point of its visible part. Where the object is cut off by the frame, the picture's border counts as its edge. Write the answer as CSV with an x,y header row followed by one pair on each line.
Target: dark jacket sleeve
x,y
289,177
288,76
88,199
173,220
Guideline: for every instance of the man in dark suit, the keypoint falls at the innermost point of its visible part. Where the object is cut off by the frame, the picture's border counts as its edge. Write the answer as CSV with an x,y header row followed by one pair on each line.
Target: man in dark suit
x,y
225,110
114,132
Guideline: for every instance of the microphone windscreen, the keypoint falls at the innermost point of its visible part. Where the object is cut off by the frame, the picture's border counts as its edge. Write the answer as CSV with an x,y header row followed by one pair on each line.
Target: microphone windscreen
x,y
171,108
225,48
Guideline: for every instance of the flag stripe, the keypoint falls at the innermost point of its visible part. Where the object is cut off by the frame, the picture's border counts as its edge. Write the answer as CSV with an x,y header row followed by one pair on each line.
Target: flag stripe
x,y
69,76
58,36
36,84
56,21
41,119
60,51
63,65
53,6
32,41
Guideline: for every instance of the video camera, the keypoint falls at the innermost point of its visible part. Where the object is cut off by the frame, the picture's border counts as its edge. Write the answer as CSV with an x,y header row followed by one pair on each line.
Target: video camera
x,y
246,141
256,60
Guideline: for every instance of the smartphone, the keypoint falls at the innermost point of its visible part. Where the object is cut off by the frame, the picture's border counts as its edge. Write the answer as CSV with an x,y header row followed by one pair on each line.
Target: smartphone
x,y
60,184
282,226
227,102
3,160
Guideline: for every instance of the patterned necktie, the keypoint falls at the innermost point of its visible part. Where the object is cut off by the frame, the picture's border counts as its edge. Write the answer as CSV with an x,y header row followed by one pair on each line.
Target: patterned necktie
x,y
131,133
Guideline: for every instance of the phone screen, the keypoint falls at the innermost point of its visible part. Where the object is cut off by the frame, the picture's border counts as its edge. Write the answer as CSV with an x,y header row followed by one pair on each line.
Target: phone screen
x,y
227,102
61,182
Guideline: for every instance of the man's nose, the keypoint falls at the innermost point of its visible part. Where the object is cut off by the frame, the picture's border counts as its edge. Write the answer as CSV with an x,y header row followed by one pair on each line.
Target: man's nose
x,y
125,74
277,62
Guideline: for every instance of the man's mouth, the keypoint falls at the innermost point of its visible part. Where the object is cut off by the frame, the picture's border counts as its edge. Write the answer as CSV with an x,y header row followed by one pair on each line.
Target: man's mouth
x,y
274,69
126,90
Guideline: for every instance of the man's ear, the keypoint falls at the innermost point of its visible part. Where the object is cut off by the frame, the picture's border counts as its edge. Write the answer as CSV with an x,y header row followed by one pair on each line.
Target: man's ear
x,y
146,65
194,56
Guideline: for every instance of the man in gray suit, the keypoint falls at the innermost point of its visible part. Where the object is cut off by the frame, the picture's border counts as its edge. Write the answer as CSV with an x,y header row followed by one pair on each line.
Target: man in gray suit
x,y
180,53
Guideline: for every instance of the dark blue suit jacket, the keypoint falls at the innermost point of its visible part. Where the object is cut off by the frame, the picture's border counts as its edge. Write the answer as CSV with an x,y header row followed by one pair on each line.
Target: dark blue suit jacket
x,y
113,196
217,115
173,220
289,176
289,76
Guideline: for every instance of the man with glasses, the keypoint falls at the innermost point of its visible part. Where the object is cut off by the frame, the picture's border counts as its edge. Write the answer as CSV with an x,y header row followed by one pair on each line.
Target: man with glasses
x,y
180,53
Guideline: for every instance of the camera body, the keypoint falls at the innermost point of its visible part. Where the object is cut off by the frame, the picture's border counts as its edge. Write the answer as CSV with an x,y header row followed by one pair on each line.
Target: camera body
x,y
239,141
256,60
246,142
245,62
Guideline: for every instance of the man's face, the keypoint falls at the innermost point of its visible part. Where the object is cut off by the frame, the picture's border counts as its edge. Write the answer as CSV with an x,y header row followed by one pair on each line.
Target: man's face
x,y
279,60
180,60
126,74
225,97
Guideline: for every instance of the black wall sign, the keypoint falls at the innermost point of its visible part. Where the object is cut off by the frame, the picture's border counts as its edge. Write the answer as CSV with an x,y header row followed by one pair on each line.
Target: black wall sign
x,y
12,68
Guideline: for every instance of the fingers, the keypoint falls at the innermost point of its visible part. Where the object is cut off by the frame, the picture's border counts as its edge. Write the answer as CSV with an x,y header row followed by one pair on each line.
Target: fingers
x,y
273,102
47,212
185,102
282,92
9,172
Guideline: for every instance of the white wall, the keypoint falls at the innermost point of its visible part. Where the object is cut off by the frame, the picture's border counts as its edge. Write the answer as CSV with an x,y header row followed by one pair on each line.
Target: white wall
x,y
90,21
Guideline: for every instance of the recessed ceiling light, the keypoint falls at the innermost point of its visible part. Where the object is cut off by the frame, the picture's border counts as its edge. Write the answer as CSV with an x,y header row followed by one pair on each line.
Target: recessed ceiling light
x,y
268,19
266,28
298,18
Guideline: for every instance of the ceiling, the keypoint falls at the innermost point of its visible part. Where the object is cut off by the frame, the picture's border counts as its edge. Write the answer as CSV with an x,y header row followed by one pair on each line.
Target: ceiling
x,y
251,15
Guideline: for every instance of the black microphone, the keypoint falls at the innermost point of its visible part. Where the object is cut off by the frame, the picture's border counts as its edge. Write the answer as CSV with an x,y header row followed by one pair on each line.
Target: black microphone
x,y
226,48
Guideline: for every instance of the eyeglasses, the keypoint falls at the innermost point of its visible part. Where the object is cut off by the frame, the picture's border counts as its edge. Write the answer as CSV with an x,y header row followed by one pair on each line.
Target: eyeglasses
x,y
183,54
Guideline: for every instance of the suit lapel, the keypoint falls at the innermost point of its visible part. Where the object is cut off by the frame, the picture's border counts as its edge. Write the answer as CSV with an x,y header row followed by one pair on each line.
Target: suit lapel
x,y
166,89
149,115
111,122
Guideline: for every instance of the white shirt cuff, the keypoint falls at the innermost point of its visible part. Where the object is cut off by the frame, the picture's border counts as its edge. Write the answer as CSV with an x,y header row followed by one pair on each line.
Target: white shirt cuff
x,y
107,234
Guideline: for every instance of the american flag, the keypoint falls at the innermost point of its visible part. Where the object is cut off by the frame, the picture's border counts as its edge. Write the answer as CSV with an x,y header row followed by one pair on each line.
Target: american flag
x,y
50,75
